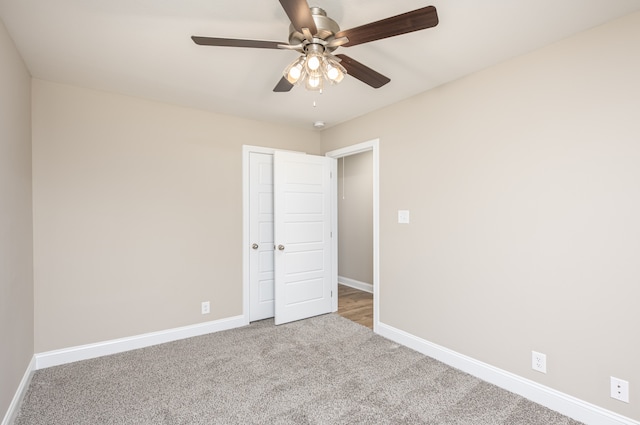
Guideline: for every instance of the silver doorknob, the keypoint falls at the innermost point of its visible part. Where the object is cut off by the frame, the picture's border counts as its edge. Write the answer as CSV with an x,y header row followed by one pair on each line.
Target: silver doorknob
x,y
254,246
281,247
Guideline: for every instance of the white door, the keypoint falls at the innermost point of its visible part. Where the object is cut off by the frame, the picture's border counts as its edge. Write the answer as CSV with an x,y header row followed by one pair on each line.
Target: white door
x,y
261,289
302,224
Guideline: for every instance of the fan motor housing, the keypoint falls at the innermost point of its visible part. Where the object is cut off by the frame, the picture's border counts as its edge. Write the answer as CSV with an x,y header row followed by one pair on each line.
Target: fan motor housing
x,y
327,29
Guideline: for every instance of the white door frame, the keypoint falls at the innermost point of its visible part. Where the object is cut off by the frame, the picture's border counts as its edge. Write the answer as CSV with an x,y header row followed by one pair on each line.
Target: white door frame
x,y
371,145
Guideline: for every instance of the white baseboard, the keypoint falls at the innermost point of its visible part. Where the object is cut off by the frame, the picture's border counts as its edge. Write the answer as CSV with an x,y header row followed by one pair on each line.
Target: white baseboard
x,y
14,407
555,400
89,351
352,283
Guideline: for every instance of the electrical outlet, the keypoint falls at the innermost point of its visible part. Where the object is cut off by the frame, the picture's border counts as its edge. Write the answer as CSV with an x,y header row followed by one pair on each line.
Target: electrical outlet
x,y
205,307
403,216
620,389
539,362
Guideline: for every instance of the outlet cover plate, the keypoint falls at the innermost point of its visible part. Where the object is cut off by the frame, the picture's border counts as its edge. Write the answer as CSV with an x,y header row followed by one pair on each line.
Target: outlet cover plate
x,y
620,389
205,307
539,362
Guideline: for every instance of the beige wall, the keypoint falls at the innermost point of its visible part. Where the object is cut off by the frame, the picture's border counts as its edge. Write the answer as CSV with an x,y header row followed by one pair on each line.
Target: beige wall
x,y
523,186
16,253
137,213
355,217
522,182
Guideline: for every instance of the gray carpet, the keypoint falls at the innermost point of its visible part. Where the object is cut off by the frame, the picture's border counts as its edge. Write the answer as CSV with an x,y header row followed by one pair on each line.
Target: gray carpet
x,y
325,370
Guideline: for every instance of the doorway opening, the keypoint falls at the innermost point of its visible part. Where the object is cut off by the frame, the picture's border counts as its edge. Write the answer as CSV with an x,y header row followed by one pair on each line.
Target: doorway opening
x,y
357,244
355,237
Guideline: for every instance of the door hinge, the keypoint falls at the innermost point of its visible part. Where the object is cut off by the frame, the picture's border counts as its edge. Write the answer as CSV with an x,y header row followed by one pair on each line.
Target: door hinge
x,y
331,294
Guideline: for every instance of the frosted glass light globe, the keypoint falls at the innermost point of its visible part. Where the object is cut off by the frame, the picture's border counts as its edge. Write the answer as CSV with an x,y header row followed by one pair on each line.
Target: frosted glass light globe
x,y
314,81
332,73
313,63
295,72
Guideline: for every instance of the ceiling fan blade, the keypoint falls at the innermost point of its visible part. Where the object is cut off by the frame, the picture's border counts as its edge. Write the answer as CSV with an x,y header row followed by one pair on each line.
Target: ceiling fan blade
x,y
416,20
299,14
363,72
283,86
234,42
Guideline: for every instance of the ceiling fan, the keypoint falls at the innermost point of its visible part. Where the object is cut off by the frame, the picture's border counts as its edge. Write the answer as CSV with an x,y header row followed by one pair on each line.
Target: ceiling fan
x,y
316,37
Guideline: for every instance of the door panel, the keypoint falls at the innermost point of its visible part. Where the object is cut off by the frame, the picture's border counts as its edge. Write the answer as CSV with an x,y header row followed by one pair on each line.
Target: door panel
x,y
261,266
302,223
304,291
304,232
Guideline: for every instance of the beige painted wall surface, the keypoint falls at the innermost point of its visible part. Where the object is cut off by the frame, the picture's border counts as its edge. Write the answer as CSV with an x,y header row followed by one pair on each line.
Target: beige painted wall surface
x,y
16,252
355,217
137,213
523,186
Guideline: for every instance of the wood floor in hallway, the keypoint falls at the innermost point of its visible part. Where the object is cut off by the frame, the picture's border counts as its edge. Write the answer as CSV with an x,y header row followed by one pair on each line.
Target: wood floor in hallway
x,y
355,305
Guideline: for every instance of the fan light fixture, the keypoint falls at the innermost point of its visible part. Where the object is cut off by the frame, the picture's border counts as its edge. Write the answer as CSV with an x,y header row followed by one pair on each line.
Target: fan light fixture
x,y
316,36
314,67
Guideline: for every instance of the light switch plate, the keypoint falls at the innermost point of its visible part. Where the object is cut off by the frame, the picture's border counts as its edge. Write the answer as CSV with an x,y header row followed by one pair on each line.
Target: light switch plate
x,y
403,216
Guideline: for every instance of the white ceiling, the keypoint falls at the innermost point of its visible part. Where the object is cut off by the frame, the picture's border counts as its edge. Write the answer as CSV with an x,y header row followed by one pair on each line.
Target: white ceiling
x,y
143,48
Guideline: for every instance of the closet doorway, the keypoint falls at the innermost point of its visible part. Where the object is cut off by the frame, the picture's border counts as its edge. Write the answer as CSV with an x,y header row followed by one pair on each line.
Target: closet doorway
x,y
357,215
288,261
336,154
